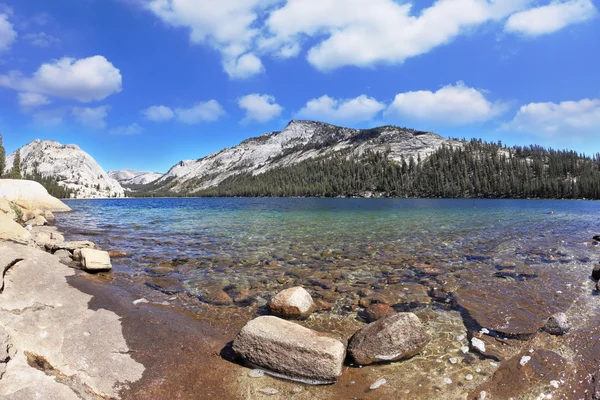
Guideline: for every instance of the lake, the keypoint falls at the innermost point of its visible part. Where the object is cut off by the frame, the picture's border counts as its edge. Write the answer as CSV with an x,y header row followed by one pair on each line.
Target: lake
x,y
499,265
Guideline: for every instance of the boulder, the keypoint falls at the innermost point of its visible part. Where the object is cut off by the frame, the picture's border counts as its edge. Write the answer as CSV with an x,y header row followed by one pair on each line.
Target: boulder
x,y
291,351
56,244
558,324
37,221
49,215
7,208
30,195
294,302
95,260
10,230
64,255
377,311
28,215
393,338
596,272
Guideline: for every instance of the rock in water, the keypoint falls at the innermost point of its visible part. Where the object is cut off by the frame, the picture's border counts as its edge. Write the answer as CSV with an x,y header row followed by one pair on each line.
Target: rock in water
x,y
378,311
95,260
294,302
596,272
558,324
393,338
291,351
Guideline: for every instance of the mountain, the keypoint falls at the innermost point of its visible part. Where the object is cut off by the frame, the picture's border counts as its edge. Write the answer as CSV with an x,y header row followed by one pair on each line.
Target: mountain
x,y
70,166
299,141
128,177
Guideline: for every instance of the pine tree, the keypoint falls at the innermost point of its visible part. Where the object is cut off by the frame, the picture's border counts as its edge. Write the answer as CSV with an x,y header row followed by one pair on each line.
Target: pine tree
x,y
16,169
2,157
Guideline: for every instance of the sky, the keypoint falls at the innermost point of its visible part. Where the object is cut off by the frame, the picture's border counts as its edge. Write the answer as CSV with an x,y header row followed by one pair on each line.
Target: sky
x,y
143,84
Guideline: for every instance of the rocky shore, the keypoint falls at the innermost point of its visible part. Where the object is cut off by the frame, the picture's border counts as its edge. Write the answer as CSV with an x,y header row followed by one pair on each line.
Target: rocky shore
x,y
523,332
52,346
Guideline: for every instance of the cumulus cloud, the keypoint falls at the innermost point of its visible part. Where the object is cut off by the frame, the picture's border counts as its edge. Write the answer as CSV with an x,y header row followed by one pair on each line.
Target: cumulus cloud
x,y
226,25
128,130
550,18
204,111
7,33
91,117
41,39
86,79
565,120
158,113
259,107
29,100
366,32
348,111
451,105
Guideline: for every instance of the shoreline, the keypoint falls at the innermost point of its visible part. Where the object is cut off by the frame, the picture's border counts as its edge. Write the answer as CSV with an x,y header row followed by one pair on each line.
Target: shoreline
x,y
187,354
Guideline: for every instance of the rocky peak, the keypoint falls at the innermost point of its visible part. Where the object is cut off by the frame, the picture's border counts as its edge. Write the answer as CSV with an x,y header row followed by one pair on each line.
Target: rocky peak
x,y
72,167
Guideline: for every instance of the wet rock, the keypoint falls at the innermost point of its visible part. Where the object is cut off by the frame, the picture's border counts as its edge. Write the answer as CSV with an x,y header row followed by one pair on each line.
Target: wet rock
x,y
597,238
218,298
118,254
290,350
378,311
95,260
558,324
294,302
596,272
393,338
515,379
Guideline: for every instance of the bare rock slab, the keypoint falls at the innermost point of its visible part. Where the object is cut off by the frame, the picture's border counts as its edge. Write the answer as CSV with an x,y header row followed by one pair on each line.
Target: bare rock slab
x,y
294,302
95,260
289,350
393,338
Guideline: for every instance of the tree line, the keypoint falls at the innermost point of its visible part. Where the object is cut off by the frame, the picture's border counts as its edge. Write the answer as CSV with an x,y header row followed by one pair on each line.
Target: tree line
x,y
465,169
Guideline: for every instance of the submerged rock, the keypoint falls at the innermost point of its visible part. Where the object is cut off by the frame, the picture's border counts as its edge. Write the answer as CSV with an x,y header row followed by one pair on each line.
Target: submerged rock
x,y
393,338
378,311
95,260
290,351
558,324
294,302
596,272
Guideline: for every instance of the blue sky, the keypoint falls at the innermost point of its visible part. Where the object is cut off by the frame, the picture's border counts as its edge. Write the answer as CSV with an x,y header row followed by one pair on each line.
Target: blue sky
x,y
143,84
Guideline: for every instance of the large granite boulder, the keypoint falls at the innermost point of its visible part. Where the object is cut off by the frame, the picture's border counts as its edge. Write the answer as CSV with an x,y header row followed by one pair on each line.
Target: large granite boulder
x,y
289,350
95,260
294,302
12,231
393,338
30,195
8,209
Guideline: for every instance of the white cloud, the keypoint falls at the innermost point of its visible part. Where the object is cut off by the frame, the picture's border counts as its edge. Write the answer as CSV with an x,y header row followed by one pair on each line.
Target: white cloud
x,y
325,108
243,67
128,130
204,111
50,117
550,18
259,107
226,25
566,120
41,39
158,113
367,32
86,79
30,100
91,117
7,33
450,105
